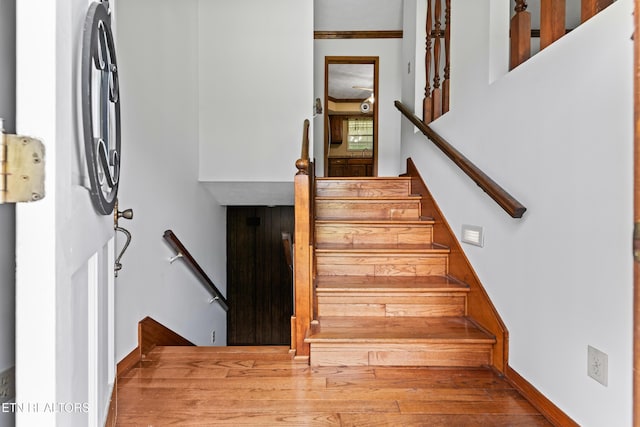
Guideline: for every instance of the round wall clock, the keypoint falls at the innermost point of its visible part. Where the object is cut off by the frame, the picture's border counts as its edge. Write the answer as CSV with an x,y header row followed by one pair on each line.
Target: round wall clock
x,y
101,108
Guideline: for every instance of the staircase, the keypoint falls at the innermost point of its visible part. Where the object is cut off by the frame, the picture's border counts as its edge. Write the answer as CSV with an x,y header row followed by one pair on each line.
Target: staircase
x,y
383,290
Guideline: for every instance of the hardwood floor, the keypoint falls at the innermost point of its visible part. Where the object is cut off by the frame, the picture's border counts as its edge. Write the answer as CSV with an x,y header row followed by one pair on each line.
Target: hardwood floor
x,y
263,386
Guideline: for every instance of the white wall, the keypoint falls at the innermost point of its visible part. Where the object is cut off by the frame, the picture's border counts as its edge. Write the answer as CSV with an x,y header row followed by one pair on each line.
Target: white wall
x,y
158,56
255,90
7,212
557,133
389,86
357,15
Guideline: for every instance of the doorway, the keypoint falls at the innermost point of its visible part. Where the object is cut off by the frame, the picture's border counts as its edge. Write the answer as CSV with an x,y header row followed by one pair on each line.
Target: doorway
x,y
351,116
259,280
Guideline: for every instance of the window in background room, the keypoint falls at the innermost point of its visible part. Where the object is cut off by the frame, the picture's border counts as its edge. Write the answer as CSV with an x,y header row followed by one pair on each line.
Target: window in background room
x,y
360,134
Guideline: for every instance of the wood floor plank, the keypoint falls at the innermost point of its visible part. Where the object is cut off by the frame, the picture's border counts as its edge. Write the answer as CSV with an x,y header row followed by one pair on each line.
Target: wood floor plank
x,y
503,406
384,420
225,384
221,405
177,373
372,394
291,419
205,388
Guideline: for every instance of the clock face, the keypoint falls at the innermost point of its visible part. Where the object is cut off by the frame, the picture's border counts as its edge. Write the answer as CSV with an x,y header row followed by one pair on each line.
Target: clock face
x,y
101,108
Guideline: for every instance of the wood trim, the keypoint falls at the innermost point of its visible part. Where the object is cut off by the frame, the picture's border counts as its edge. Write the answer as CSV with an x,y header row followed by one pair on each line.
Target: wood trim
x,y
113,406
375,60
332,35
538,400
479,305
152,333
506,201
128,362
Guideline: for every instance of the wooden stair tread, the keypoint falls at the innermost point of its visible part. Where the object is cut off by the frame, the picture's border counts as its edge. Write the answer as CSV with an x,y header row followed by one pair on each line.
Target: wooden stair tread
x,y
173,353
373,199
375,330
259,350
389,284
366,179
382,222
391,248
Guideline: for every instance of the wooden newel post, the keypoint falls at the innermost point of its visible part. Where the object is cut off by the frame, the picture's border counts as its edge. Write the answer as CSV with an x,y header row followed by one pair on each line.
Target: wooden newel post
x,y
520,34
303,251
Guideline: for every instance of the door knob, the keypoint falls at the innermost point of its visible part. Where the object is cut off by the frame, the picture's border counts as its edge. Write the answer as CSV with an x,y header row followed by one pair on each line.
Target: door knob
x,y
117,214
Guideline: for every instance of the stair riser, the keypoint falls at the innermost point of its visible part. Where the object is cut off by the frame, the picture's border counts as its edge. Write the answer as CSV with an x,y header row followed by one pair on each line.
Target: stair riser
x,y
397,265
391,306
366,234
395,354
364,209
363,188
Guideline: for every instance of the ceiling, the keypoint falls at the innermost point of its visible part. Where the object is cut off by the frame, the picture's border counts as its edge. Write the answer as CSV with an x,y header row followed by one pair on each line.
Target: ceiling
x,y
346,81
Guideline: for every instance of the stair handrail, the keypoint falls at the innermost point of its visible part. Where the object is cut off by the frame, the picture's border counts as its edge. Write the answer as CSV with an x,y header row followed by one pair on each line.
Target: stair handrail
x,y
506,201
304,189
302,164
183,253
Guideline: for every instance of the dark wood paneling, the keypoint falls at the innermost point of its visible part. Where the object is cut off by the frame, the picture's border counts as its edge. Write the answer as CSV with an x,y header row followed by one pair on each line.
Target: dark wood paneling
x,y
240,276
259,282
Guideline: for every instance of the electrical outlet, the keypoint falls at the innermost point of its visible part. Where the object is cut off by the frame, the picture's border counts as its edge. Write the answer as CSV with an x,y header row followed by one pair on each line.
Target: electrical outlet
x,y
8,385
213,336
598,365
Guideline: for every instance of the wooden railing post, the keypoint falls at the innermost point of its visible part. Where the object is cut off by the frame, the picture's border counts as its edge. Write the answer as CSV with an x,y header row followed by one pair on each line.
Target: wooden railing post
x,y
426,104
303,248
446,91
436,95
520,34
591,8
552,21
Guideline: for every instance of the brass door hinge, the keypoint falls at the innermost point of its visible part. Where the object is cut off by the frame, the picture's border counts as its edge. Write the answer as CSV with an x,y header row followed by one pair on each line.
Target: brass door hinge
x,y
21,168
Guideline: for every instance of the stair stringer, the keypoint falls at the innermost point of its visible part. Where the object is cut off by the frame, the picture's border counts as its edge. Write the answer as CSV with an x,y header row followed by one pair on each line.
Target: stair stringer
x,y
479,305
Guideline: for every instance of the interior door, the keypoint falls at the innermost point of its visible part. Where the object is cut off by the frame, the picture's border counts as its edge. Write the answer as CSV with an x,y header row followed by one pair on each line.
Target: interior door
x,y
259,281
65,245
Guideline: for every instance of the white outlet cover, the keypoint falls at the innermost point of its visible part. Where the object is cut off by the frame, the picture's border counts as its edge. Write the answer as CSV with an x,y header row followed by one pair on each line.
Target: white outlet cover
x,y
598,365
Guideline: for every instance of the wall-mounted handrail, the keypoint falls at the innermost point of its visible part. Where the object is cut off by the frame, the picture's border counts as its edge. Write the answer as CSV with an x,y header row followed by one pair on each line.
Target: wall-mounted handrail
x,y
506,201
183,253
